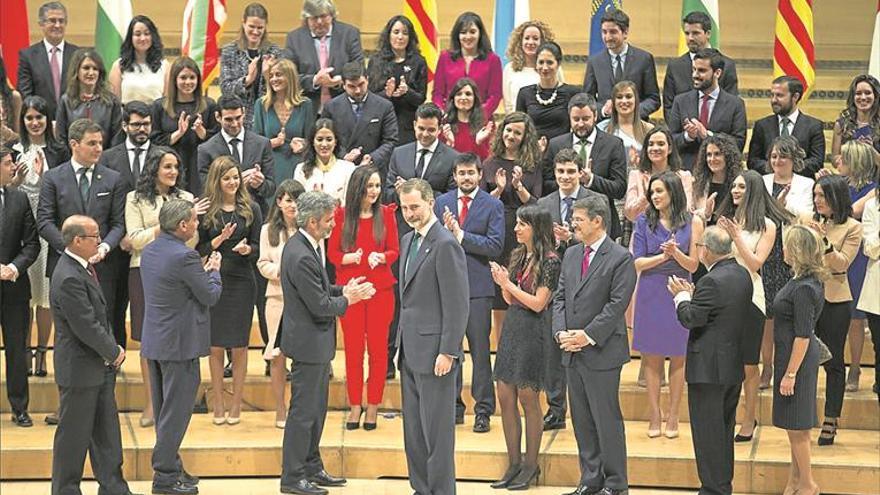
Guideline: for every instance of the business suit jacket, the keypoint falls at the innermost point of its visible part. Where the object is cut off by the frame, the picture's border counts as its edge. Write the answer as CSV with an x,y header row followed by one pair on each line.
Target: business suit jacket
x,y
552,203
714,318
807,130
375,131
482,239
35,75
345,46
311,304
609,170
728,117
434,299
84,342
256,149
178,294
60,198
638,67
438,173
19,245
117,158
679,79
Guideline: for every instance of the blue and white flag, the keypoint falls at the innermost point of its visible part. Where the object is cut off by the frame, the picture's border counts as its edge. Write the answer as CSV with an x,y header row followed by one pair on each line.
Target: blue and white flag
x,y
596,12
508,15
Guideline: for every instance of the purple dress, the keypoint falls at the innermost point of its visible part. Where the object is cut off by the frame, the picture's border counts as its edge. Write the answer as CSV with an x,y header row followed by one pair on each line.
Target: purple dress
x,y
656,329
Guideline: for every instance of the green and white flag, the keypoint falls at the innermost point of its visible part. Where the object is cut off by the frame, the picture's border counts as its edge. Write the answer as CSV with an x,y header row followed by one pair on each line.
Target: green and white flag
x,y
708,6
113,19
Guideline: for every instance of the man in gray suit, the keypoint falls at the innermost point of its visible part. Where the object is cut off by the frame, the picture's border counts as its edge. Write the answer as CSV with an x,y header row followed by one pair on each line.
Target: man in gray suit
x,y
178,292
434,300
595,286
706,110
311,306
86,361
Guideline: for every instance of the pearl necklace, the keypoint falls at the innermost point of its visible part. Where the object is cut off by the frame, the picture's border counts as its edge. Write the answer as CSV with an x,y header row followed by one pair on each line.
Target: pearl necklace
x,y
548,101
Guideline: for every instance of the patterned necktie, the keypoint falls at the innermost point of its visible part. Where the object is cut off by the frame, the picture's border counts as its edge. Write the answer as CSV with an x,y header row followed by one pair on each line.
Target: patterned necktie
x,y
783,131
233,147
55,67
462,215
585,264
704,111
566,210
84,185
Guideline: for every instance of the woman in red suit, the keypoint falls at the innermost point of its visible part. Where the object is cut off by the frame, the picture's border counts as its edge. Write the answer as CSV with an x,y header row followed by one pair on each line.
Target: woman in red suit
x,y
364,244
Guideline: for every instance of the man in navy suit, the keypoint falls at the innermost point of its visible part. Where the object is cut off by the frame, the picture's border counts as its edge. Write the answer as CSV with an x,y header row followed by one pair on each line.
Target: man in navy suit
x,y
84,187
476,220
178,292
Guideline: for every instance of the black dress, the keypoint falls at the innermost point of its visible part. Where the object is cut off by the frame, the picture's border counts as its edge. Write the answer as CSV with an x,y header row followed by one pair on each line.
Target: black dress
x,y
797,308
414,70
233,314
187,146
551,119
775,273
520,357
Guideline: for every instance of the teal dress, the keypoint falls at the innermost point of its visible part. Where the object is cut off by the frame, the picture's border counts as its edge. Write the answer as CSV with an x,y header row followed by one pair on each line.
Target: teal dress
x,y
299,124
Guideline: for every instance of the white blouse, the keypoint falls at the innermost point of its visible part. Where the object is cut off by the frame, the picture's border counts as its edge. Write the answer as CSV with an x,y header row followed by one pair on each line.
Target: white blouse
x,y
142,84
333,182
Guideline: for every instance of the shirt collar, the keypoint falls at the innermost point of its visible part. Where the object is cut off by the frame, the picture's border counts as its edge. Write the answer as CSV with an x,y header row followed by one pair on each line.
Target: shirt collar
x,y
573,195
84,263
622,52
314,243
591,137
227,137
431,149
361,102
713,96
49,46
713,265
424,230
328,35
472,194
130,146
595,246
793,116
76,166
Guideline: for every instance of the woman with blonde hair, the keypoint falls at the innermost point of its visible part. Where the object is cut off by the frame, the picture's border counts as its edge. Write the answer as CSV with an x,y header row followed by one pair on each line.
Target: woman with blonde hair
x,y
522,53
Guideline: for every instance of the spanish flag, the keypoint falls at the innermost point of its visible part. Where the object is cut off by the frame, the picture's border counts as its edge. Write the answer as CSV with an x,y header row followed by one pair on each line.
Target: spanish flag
x,y
202,26
794,53
423,14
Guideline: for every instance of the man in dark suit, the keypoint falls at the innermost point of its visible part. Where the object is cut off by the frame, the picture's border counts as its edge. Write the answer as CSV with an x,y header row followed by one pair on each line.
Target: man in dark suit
x,y
621,62
86,361
476,220
19,247
601,155
787,120
83,186
697,28
595,286
705,110
434,302
714,370
311,306
178,291
42,67
319,48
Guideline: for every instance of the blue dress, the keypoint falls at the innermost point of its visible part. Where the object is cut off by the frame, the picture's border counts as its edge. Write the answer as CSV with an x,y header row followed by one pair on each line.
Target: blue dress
x,y
656,329
855,274
299,125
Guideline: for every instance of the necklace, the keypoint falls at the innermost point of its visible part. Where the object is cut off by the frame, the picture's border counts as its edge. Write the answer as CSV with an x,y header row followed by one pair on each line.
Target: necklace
x,y
548,101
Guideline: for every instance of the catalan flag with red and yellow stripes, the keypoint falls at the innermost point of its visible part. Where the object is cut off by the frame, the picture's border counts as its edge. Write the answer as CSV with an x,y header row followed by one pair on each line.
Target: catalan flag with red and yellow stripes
x,y
203,22
794,52
423,14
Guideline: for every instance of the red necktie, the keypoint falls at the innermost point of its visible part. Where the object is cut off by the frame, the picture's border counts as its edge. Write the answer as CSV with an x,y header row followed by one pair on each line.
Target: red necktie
x,y
462,215
585,264
91,270
704,111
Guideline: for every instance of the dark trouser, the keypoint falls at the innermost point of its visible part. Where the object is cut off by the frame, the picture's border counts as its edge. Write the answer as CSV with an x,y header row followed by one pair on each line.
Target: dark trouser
x,y
554,376
15,320
88,422
429,430
479,325
310,390
598,426
261,305
120,304
874,325
392,330
107,279
173,387
832,328
712,409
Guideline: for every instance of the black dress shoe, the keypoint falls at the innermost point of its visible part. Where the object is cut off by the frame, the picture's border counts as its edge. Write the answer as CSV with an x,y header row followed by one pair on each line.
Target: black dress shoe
x,y
323,478
51,419
481,423
187,478
304,487
22,419
178,488
553,422
586,490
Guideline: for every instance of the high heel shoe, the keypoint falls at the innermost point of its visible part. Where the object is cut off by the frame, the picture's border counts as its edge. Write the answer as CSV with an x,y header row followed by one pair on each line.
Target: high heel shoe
x,y
829,431
354,425
745,438
219,420
508,477
40,361
525,478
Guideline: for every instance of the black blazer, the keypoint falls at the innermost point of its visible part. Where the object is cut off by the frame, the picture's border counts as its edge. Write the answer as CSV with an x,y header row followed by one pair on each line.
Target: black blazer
x,y
19,244
679,79
375,131
714,318
807,130
728,117
415,71
438,171
639,68
257,150
116,158
35,76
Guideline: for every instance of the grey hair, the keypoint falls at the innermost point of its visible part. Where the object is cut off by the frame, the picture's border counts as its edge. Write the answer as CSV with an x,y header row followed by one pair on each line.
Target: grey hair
x,y
717,241
314,205
420,185
75,226
46,7
172,213
314,8
595,205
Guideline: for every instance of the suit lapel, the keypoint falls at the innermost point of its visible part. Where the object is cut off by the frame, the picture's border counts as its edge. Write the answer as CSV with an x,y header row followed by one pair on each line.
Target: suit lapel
x,y
595,264
72,179
324,280
555,210
97,179
424,249
247,150
718,111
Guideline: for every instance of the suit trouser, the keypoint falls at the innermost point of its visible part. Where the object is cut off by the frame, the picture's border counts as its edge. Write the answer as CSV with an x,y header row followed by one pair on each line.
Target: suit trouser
x,y
365,325
479,326
88,422
554,376
120,301
598,426
712,409
310,390
260,303
832,328
15,320
173,387
107,271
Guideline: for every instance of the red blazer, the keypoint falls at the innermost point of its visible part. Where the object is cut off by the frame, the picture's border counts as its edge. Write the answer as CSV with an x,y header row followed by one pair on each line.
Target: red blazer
x,y
382,277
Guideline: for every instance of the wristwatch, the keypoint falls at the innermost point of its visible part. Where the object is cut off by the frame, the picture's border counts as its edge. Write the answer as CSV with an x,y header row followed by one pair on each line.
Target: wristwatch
x,y
791,374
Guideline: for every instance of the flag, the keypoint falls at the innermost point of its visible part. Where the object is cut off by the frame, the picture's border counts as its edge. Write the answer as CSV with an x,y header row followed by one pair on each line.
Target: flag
x,y
709,7
508,15
596,12
874,65
112,24
793,51
13,35
423,15
199,39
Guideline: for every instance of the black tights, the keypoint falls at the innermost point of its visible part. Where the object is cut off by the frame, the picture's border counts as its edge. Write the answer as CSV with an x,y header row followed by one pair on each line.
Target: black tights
x,y
510,421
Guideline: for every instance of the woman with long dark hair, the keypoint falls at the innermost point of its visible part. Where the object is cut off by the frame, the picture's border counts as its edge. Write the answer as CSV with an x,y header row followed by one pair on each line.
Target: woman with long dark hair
x,y
658,155
527,286
399,73
364,244
465,127
88,96
546,101
320,170
860,120
719,162
140,71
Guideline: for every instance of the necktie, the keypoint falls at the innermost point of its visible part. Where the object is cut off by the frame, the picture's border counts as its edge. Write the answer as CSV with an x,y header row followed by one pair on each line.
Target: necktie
x,y
704,111
585,264
618,69
55,67
358,110
136,163
420,167
585,143
320,254
323,59
84,185
566,209
233,147
783,131
93,273
462,215
413,251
